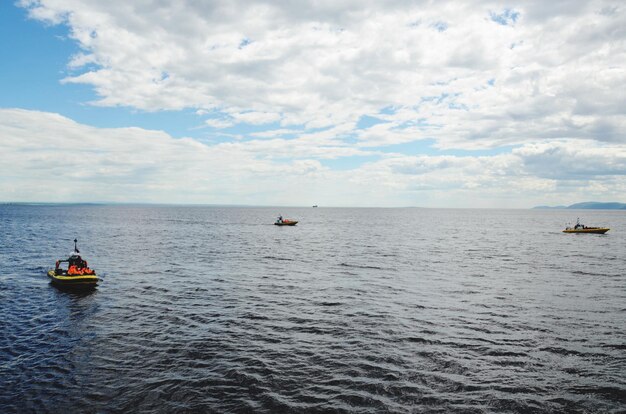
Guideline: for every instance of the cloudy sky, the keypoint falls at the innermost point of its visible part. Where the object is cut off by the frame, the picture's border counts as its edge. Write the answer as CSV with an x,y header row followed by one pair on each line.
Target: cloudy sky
x,y
329,102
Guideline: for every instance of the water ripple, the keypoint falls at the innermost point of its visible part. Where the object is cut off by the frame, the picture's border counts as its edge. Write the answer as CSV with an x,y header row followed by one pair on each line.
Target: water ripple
x,y
217,310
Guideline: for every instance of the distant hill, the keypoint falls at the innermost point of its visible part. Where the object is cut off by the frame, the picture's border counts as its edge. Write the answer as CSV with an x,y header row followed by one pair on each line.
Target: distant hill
x,y
590,205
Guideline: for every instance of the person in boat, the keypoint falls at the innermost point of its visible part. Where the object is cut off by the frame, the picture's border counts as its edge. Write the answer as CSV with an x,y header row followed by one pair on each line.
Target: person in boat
x,y
280,219
77,266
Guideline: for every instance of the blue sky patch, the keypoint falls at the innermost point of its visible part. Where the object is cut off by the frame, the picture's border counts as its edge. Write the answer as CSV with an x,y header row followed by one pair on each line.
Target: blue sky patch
x,y
421,123
244,42
33,59
458,106
421,147
367,121
440,26
506,18
388,110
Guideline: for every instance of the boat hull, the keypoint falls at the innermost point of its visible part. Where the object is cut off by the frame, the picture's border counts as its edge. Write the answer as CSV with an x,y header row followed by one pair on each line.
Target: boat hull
x,y
597,230
287,223
74,282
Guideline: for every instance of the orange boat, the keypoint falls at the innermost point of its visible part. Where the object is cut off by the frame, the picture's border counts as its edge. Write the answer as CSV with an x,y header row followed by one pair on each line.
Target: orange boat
x,y
280,221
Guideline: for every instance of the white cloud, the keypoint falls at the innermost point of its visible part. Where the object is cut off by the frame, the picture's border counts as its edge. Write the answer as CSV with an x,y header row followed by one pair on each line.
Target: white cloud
x,y
219,122
47,157
545,79
557,69
573,160
256,118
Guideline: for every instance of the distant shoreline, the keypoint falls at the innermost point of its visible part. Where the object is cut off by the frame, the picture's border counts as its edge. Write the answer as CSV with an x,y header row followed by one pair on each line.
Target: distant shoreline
x,y
588,205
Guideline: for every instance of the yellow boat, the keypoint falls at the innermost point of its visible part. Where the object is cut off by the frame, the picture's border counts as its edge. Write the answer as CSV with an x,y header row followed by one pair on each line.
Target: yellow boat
x,y
78,275
591,230
74,281
582,229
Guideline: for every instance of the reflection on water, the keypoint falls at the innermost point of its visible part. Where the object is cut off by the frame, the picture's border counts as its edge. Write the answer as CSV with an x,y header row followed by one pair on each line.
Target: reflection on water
x,y
216,309
73,292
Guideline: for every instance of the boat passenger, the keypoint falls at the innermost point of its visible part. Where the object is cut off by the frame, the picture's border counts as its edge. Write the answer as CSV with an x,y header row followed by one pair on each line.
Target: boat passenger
x,y
78,266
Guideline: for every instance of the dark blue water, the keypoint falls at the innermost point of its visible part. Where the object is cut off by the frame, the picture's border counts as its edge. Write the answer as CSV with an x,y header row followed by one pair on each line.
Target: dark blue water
x,y
353,310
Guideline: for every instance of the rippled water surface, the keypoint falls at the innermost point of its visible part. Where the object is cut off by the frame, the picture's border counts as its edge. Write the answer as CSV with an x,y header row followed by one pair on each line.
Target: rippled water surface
x,y
353,310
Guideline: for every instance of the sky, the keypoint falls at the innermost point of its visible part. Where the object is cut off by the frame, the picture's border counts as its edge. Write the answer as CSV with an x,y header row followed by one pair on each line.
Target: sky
x,y
472,104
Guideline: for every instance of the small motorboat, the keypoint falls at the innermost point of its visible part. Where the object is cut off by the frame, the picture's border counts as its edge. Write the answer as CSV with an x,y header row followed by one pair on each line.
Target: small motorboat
x,y
580,228
78,275
73,281
280,221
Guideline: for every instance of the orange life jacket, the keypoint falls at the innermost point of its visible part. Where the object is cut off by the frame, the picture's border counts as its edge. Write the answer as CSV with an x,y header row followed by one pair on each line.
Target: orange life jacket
x,y
73,270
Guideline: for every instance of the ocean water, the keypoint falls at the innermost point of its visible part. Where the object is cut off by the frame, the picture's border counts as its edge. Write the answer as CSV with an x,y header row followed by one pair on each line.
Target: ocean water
x,y
206,309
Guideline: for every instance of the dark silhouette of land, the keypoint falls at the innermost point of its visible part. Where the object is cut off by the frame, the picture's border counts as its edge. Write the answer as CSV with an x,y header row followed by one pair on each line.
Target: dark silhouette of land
x,y
590,205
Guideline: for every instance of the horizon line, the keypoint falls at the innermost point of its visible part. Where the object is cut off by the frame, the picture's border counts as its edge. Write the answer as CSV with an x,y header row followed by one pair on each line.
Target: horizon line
x,y
156,204
147,203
